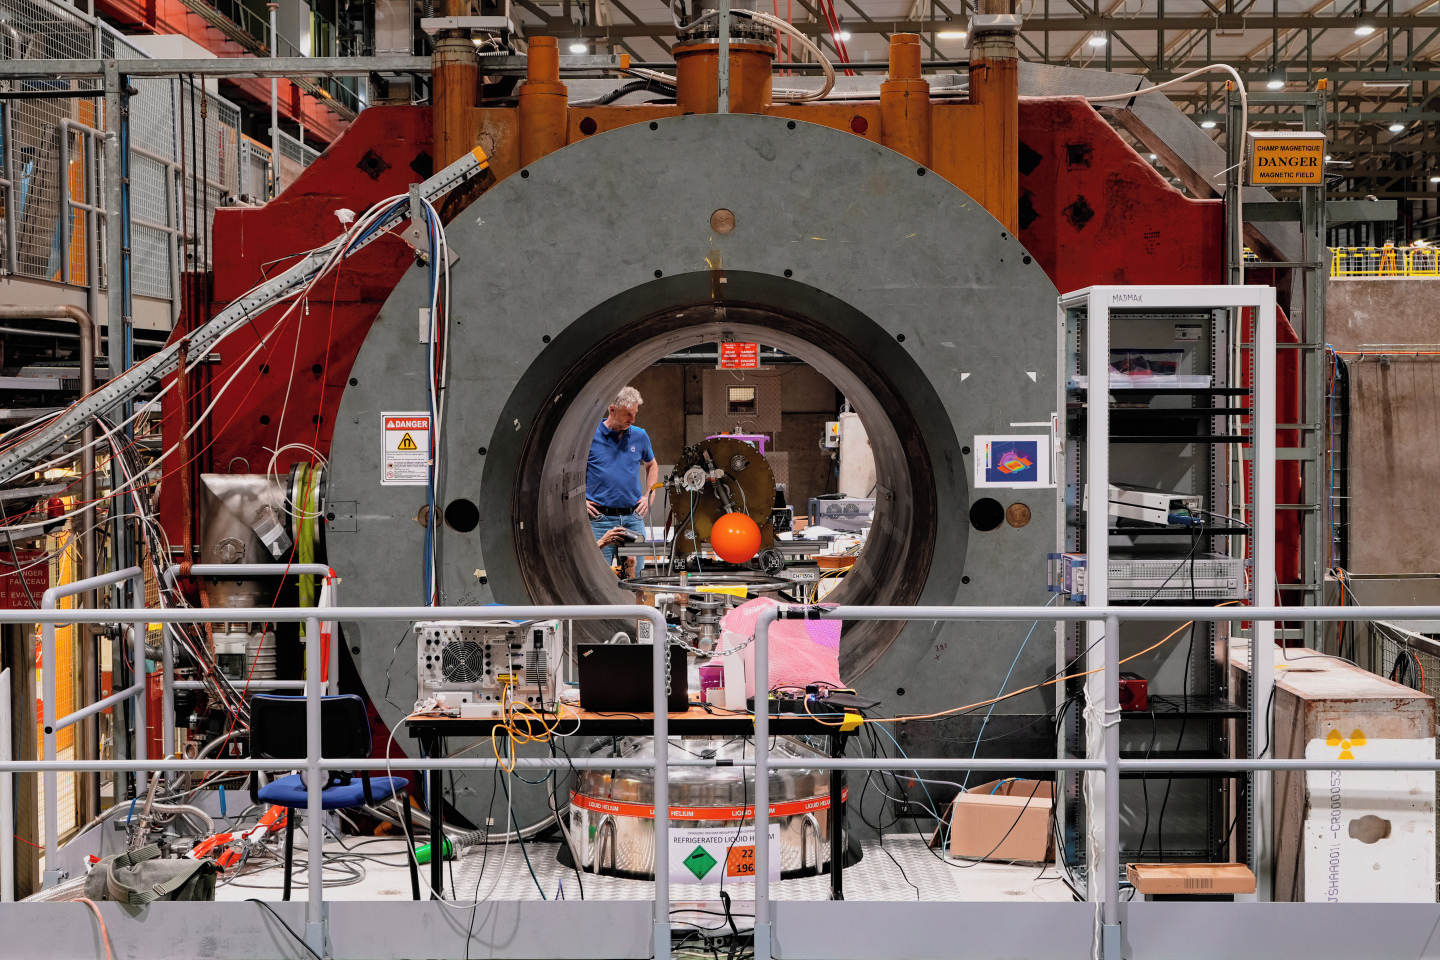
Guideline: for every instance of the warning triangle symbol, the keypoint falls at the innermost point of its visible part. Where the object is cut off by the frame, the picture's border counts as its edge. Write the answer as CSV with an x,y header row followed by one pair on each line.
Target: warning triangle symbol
x,y
407,442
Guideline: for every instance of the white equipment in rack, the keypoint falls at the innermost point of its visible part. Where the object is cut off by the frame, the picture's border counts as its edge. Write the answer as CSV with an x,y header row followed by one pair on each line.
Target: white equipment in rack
x,y
1154,506
466,665
1148,576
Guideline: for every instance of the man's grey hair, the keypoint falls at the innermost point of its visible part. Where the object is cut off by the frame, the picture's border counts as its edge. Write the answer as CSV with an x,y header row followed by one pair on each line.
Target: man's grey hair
x,y
627,397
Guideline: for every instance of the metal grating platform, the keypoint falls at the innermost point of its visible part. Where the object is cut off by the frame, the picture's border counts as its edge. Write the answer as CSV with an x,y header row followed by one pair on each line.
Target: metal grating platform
x,y
903,870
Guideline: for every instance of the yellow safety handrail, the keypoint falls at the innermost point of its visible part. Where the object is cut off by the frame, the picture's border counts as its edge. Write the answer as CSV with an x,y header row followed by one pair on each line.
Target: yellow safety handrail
x,y
1389,260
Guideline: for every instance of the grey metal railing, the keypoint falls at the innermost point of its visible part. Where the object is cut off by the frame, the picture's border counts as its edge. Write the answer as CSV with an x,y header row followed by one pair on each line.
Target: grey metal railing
x,y
7,795
1110,764
9,185
53,725
314,763
89,206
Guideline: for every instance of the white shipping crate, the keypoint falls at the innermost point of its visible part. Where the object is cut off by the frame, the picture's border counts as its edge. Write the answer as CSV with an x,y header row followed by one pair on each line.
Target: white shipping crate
x,y
1369,835
1349,836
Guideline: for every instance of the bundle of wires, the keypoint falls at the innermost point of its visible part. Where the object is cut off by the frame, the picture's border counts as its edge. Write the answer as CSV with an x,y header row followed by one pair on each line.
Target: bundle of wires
x,y
366,228
136,480
522,724
438,364
1408,669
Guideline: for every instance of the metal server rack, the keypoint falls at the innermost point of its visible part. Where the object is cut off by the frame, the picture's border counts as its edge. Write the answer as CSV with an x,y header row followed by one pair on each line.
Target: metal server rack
x,y
1177,438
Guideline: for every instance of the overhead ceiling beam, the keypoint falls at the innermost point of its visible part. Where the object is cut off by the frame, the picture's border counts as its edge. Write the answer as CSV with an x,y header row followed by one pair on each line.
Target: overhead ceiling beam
x,y
1088,24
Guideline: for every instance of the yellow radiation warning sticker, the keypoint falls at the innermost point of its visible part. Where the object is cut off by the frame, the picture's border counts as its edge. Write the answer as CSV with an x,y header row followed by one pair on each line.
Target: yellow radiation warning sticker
x,y
405,449
1346,744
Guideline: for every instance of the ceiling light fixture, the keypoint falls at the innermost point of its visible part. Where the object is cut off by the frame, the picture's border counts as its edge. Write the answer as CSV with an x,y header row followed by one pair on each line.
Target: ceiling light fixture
x,y
1397,127
1099,39
1207,123
951,35
579,47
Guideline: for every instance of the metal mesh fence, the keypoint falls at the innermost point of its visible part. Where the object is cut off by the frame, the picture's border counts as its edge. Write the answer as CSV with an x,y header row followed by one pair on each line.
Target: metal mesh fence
x,y
209,148
254,171
34,131
294,158
80,223
52,194
152,156
151,226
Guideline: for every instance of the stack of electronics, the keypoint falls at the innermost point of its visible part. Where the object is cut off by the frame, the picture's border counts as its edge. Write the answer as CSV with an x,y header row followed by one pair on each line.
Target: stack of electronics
x,y
1153,573
1154,507
468,666
843,513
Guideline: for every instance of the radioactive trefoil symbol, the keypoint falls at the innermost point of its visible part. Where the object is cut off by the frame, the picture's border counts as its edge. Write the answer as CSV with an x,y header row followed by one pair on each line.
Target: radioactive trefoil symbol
x,y
700,862
1346,744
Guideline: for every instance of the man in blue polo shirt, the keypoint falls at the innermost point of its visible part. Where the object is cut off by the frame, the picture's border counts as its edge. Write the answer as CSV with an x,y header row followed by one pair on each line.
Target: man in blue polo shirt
x,y
614,493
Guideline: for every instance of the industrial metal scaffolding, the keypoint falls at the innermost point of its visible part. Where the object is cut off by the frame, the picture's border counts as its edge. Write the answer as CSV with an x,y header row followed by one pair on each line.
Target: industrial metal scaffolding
x,y
185,157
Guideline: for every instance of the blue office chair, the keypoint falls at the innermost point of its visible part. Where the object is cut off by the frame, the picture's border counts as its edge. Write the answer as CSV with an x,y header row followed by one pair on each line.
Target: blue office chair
x,y
277,732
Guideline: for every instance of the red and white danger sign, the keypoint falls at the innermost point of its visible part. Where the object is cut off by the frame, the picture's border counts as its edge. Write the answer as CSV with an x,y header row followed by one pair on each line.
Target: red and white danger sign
x,y
405,449
739,356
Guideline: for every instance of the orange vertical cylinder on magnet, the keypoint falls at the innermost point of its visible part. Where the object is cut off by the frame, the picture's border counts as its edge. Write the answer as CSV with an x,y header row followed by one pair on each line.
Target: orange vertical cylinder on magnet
x,y
544,102
905,101
697,77
995,90
455,70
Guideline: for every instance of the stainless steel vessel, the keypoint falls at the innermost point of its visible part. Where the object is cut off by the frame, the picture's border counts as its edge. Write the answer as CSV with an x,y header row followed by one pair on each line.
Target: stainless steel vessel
x,y
611,811
690,600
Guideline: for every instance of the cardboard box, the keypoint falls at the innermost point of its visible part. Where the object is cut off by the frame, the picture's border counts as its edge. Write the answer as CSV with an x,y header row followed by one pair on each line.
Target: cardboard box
x,y
1191,878
1003,820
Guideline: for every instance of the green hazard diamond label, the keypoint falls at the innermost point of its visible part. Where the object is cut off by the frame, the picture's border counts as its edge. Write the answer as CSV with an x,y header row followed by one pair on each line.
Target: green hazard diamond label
x,y
700,862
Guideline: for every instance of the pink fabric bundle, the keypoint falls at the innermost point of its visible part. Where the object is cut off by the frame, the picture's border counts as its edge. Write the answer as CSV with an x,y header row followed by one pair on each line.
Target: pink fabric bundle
x,y
801,651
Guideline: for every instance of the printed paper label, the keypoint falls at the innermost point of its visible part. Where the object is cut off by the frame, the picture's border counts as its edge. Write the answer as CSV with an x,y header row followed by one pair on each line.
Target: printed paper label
x,y
405,450
1012,461
719,854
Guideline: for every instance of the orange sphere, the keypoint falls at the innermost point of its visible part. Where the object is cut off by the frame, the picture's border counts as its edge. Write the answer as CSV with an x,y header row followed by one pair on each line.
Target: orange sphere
x,y
735,537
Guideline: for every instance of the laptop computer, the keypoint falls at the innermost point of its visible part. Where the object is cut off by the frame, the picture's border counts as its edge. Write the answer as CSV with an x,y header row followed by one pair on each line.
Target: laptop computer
x,y
616,678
